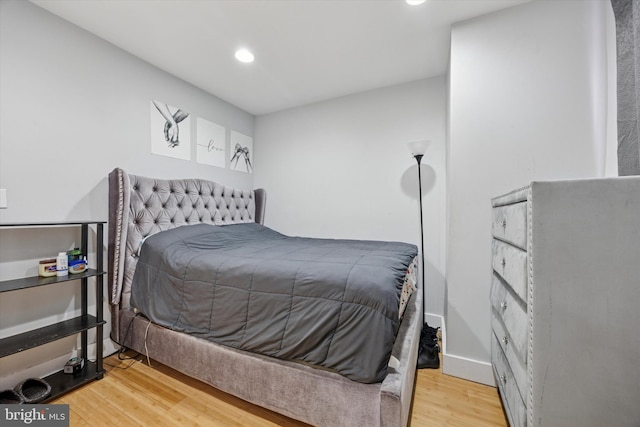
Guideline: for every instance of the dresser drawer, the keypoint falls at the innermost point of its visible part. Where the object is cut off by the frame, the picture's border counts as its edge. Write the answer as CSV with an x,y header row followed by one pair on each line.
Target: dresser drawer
x,y
510,224
511,264
511,398
516,364
513,315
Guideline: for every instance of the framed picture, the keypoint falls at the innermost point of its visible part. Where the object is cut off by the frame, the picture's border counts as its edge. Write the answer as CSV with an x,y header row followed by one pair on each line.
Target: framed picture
x,y
210,143
170,131
241,156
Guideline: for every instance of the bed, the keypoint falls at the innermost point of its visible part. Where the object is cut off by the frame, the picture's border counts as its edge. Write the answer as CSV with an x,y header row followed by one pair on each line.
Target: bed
x,y
140,207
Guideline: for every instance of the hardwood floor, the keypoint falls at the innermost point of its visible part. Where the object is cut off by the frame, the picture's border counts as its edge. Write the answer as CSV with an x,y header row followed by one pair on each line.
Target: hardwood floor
x,y
134,394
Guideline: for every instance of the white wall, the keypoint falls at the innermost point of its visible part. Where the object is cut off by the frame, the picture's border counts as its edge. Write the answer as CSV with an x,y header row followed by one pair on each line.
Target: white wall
x,y
73,107
527,101
342,169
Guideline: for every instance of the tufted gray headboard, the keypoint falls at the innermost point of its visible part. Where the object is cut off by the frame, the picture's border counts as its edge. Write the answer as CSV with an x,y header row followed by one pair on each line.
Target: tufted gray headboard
x,y
140,207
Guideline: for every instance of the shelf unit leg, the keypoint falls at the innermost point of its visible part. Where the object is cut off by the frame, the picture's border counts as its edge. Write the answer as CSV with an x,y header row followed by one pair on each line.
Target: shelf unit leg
x,y
84,246
99,298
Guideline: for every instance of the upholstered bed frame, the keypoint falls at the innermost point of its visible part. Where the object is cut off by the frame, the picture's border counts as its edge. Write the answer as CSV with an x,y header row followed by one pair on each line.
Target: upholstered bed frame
x,y
140,206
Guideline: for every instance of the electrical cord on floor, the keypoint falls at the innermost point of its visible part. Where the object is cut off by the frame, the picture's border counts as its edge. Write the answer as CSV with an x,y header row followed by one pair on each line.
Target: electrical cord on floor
x,y
146,332
130,364
123,349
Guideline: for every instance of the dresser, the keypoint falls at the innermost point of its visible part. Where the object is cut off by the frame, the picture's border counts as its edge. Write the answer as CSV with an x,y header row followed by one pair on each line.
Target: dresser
x,y
565,302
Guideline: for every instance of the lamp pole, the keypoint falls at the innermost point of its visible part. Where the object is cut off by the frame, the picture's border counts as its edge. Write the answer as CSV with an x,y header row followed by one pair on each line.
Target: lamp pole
x,y
428,349
418,158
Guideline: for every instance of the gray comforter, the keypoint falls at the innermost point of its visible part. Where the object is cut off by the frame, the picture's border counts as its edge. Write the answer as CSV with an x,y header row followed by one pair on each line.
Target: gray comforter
x,y
329,303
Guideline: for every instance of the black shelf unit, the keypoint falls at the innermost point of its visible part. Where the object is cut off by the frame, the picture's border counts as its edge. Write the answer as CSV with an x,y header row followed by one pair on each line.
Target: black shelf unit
x,y
59,381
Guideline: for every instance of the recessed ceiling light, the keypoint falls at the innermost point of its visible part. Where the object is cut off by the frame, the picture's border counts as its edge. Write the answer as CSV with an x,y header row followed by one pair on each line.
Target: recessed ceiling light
x,y
415,2
243,55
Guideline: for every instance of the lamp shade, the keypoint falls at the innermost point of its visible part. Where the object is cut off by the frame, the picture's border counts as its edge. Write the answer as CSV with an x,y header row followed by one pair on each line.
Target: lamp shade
x,y
418,147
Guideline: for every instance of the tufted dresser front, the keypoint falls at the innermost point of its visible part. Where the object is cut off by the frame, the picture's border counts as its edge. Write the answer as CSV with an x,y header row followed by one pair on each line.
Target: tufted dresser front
x,y
509,301
564,302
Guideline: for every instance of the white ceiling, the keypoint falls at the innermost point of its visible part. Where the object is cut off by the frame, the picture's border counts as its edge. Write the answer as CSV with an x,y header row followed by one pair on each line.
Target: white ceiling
x,y
305,50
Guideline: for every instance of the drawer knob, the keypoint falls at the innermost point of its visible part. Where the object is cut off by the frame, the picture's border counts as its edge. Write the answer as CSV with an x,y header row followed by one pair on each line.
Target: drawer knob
x,y
503,378
503,223
503,305
505,340
503,262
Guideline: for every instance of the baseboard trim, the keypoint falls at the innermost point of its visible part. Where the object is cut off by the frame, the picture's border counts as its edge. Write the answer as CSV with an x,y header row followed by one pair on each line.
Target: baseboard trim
x,y
434,320
109,347
468,369
457,366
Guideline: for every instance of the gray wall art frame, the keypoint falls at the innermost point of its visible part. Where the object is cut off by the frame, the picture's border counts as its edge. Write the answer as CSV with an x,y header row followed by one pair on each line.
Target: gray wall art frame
x,y
170,131
210,143
241,152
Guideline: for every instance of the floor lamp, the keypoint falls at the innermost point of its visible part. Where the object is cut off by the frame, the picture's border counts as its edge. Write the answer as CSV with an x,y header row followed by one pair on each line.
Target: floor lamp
x,y
428,350
418,149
